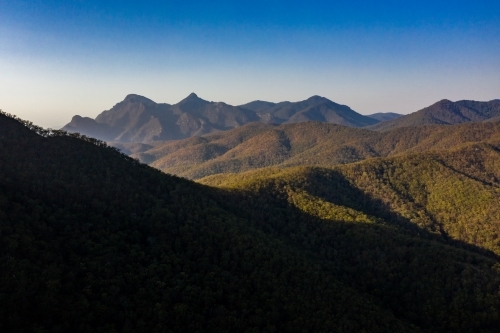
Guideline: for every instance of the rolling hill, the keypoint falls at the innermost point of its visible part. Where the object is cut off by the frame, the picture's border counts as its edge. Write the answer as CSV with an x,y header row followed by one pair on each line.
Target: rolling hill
x,y
92,240
310,143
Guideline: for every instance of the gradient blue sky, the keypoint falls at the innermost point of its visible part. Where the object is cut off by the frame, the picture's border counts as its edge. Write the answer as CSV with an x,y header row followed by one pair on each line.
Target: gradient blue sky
x,y
61,58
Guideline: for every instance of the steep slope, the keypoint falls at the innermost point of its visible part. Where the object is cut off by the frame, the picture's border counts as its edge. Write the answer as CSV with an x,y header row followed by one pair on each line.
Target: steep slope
x,y
445,112
257,145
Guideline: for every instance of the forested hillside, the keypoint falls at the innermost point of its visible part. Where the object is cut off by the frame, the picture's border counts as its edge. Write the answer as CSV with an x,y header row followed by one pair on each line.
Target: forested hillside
x,y
257,145
94,241
455,193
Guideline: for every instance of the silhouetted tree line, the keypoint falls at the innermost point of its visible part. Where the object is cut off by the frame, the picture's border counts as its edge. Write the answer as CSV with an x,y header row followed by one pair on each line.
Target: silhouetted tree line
x,y
49,132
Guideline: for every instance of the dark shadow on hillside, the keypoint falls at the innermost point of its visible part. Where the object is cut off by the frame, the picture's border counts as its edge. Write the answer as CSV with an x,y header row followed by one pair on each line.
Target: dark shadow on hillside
x,y
333,187
400,264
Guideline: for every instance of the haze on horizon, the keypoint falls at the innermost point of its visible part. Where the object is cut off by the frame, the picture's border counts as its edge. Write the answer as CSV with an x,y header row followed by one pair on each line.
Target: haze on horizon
x,y
61,58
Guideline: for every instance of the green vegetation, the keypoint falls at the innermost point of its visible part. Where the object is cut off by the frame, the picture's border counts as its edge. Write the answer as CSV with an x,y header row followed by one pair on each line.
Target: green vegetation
x,y
453,193
256,146
93,241
396,250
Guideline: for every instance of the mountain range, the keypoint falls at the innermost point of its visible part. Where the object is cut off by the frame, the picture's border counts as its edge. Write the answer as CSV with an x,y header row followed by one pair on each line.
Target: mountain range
x,y
139,119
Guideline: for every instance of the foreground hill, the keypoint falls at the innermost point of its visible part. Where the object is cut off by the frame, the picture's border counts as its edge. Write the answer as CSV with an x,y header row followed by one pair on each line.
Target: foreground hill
x,y
445,112
93,241
257,145
140,120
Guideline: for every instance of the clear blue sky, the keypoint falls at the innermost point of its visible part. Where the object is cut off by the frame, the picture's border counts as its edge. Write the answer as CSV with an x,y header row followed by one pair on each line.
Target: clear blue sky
x,y
60,58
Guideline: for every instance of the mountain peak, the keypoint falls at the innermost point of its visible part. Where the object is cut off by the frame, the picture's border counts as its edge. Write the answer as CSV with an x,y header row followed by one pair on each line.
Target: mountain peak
x,y
444,101
317,98
192,98
133,98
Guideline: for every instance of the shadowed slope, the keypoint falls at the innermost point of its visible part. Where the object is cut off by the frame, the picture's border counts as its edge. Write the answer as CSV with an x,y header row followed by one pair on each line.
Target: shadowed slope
x,y
454,193
362,194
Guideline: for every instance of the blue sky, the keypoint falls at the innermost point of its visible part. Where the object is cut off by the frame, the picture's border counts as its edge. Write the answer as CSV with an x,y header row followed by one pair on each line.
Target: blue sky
x,y
61,58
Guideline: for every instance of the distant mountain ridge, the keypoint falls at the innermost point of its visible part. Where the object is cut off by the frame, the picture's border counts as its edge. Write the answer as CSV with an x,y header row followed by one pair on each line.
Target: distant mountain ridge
x,y
139,119
385,116
445,112
315,108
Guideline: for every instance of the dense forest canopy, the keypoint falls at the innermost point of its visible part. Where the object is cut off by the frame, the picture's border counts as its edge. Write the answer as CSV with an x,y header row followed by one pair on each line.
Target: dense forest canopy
x,y
94,241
